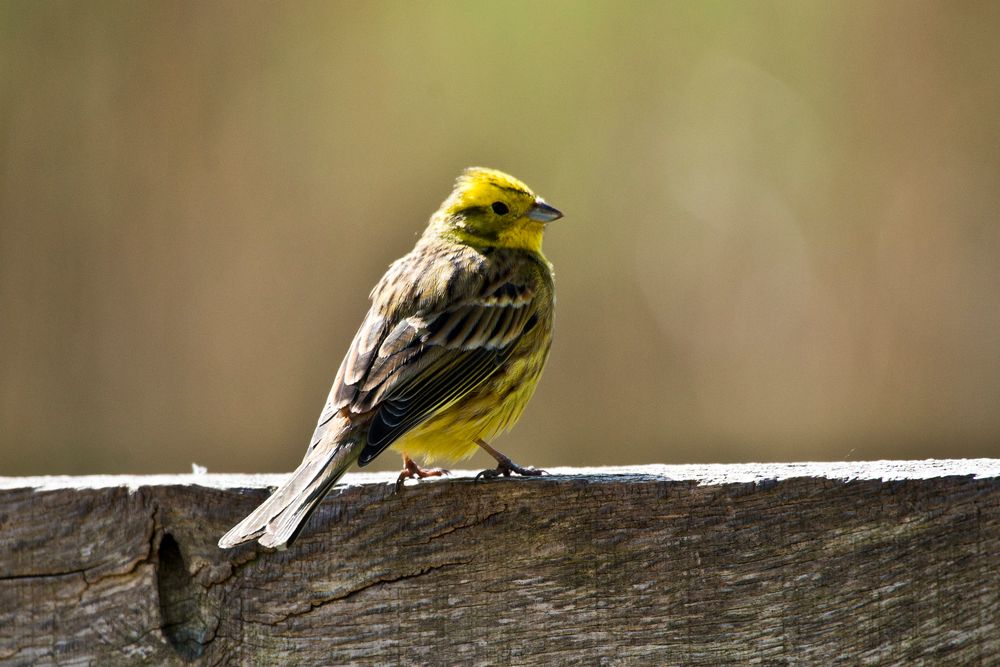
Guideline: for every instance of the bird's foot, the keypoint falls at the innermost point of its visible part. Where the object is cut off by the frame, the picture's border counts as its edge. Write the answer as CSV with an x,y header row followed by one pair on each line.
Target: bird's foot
x,y
412,470
506,467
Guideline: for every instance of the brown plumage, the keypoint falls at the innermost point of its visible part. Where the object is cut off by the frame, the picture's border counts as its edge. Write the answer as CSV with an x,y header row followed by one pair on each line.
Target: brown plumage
x,y
448,355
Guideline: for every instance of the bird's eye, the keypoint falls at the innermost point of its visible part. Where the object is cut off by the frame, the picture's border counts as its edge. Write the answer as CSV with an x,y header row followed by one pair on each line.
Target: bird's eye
x,y
500,208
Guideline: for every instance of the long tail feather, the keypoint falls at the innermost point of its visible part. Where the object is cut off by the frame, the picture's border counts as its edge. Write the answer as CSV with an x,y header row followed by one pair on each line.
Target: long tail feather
x,y
279,518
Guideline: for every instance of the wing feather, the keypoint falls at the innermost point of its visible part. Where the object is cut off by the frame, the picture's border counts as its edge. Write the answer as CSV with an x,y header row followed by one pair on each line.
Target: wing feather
x,y
408,365
400,414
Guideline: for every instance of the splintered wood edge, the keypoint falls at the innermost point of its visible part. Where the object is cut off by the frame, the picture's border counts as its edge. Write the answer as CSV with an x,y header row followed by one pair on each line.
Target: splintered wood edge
x,y
701,474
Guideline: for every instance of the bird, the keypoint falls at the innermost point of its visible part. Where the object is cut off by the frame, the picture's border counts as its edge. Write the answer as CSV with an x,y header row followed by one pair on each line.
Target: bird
x,y
446,358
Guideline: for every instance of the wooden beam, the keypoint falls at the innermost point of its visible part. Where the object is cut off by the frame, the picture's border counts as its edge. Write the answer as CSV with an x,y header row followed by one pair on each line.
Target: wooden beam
x,y
892,562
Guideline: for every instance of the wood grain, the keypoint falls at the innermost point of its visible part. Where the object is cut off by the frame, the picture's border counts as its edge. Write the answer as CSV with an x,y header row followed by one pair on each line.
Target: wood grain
x,y
880,563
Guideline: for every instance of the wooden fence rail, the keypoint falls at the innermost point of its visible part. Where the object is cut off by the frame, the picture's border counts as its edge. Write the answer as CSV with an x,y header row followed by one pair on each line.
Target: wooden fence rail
x,y
891,562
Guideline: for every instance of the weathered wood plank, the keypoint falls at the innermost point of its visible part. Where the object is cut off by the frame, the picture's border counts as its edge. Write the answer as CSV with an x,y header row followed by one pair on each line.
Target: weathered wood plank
x,y
846,563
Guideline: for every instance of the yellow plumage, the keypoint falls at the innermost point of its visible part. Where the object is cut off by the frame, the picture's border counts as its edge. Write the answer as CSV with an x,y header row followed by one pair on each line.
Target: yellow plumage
x,y
448,355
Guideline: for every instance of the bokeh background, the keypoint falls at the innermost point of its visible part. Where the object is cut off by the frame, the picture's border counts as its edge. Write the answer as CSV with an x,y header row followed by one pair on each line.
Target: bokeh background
x,y
781,238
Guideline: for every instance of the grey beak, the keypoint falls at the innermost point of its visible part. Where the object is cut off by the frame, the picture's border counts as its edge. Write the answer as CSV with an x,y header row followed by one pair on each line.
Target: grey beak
x,y
542,212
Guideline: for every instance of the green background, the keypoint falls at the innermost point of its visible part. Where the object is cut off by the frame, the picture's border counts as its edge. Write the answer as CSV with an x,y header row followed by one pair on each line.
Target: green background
x,y
781,238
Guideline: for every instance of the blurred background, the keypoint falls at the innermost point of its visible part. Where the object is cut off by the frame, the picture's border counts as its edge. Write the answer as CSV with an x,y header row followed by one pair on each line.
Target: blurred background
x,y
781,238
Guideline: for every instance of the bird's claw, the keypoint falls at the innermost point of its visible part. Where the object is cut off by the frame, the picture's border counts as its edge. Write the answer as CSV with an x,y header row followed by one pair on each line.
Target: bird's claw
x,y
412,471
506,467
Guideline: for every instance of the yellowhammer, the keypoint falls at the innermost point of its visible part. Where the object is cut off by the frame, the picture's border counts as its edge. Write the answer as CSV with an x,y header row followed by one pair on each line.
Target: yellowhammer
x,y
449,354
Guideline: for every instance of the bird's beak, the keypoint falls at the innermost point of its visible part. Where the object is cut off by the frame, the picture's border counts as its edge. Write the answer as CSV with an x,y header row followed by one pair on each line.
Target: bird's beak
x,y
542,212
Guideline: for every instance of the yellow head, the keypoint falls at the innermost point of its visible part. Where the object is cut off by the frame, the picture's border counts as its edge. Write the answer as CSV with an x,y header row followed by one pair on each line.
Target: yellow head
x,y
490,208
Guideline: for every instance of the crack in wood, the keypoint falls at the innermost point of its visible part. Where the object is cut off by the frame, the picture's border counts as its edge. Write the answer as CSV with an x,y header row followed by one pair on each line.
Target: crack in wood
x,y
448,530
375,583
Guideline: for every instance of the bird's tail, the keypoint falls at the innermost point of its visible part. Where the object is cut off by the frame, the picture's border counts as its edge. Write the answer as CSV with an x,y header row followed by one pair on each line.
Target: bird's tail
x,y
279,519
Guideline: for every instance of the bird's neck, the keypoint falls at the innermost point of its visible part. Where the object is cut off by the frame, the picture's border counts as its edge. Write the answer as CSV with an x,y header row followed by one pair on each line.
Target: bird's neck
x,y
524,235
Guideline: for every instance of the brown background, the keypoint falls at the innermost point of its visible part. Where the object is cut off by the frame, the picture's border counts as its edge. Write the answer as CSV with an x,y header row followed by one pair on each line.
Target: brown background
x,y
781,242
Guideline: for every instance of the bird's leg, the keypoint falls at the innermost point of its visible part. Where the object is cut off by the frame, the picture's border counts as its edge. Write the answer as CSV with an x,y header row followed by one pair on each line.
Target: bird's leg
x,y
411,470
504,465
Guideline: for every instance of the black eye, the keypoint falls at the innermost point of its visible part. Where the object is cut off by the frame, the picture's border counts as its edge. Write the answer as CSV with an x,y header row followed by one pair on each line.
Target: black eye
x,y
500,208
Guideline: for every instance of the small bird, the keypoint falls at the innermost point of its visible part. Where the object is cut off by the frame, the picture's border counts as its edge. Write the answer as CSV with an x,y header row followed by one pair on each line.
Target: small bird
x,y
447,357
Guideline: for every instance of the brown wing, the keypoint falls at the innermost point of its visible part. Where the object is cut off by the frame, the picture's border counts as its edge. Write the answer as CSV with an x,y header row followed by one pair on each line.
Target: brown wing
x,y
481,339
406,368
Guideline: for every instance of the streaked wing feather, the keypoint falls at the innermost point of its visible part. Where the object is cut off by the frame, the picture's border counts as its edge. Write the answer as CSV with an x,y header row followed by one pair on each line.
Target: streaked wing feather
x,y
455,351
410,368
437,387
354,367
400,414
